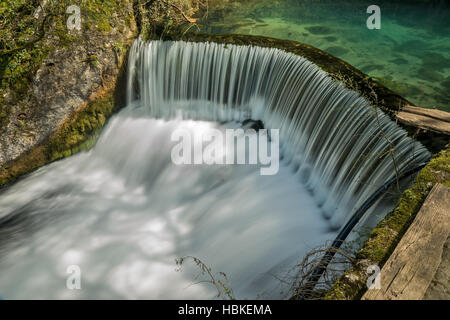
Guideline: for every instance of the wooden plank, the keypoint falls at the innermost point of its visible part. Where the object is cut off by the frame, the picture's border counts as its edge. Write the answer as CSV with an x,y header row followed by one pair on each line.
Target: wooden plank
x,y
431,113
424,122
413,264
439,288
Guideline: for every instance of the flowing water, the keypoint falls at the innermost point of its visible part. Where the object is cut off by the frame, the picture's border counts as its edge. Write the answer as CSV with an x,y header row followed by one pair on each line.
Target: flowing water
x,y
123,212
410,54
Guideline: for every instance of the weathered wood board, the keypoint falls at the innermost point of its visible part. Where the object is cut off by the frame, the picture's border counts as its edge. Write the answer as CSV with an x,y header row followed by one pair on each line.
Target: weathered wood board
x,y
431,113
439,288
424,122
427,119
411,267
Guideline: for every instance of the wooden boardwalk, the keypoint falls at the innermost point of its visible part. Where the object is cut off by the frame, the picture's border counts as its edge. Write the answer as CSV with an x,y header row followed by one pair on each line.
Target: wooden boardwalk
x,y
413,264
427,119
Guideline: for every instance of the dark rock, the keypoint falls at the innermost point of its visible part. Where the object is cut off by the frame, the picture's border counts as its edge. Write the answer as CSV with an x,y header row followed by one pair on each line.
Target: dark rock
x,y
330,39
399,61
435,61
253,124
319,30
446,84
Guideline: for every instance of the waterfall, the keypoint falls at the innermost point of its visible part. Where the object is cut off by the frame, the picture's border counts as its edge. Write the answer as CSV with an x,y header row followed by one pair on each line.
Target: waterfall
x,y
122,212
341,148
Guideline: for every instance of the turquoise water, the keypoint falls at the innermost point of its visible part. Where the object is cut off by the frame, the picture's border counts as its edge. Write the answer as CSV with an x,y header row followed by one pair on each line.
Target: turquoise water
x,y
410,54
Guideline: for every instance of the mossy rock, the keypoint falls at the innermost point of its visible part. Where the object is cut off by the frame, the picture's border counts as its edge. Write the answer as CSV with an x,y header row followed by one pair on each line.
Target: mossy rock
x,y
27,38
24,63
77,134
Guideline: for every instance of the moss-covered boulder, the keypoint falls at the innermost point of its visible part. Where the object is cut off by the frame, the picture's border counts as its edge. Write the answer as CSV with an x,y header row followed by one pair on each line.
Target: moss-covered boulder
x,y
51,75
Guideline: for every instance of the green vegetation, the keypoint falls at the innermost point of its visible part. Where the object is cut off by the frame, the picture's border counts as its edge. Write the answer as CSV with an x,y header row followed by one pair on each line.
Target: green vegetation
x,y
21,50
29,32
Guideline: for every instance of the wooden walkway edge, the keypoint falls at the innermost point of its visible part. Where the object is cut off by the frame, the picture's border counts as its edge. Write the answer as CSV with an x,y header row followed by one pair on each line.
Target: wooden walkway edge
x,y
427,119
411,267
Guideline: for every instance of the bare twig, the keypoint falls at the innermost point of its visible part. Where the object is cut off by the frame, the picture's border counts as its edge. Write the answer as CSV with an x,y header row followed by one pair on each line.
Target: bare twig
x,y
223,287
188,19
299,276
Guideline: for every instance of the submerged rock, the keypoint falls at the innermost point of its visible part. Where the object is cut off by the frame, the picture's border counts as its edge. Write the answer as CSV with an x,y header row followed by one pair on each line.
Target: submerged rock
x,y
435,61
372,67
446,83
429,75
399,61
319,30
330,39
